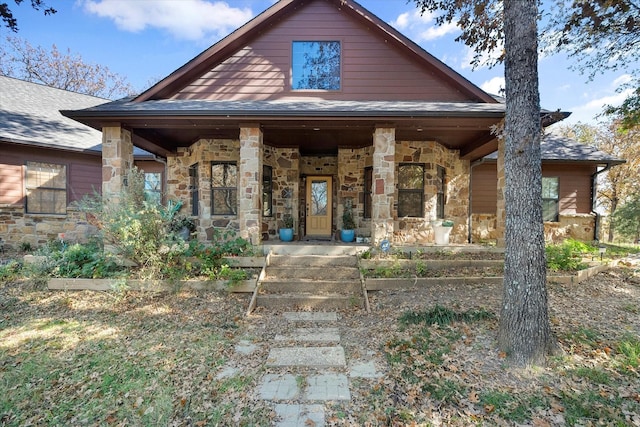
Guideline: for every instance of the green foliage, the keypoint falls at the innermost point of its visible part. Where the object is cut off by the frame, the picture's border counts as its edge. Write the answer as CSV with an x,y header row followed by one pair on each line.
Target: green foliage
x,y
89,261
439,315
567,256
348,223
629,350
626,219
10,271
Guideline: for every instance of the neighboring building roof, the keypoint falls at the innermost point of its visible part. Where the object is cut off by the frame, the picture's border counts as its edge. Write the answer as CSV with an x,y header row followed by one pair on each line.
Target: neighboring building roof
x,y
30,115
560,149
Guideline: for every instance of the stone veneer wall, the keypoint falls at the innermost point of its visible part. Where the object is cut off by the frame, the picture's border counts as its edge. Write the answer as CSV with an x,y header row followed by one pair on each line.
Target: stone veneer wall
x,y
286,187
384,184
117,160
579,227
351,164
17,228
432,154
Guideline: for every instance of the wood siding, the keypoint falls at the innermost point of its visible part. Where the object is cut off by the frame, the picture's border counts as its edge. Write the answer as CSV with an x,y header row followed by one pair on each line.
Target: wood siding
x,y
372,68
574,181
11,187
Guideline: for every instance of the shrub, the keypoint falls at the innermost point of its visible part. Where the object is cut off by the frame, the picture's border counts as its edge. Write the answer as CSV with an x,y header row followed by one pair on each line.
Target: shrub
x,y
566,256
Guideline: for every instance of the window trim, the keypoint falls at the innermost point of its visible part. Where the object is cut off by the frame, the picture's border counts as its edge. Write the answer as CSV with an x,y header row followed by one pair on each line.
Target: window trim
x,y
28,188
194,188
214,189
267,196
555,200
441,191
412,191
311,40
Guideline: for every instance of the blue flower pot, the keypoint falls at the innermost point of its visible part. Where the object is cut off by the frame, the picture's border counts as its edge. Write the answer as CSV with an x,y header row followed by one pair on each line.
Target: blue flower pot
x,y
347,236
286,234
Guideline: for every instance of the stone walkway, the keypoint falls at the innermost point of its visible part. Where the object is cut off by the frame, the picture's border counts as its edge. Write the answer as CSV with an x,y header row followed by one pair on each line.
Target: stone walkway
x,y
307,368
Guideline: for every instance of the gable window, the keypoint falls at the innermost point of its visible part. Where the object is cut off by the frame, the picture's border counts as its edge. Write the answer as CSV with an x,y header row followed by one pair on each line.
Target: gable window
x,y
267,191
368,185
410,190
194,191
46,188
441,184
224,188
153,187
550,199
315,65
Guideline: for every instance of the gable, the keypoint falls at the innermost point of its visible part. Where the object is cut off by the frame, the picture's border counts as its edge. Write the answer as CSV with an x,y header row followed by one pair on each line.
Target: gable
x,y
377,63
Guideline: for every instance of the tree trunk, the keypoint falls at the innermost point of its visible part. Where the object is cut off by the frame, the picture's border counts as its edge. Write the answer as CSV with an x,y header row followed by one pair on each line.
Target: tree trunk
x,y
524,332
614,206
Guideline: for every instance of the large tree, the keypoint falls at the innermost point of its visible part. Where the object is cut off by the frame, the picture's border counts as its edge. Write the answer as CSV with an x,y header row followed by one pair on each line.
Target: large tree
x,y
602,35
63,70
524,332
11,21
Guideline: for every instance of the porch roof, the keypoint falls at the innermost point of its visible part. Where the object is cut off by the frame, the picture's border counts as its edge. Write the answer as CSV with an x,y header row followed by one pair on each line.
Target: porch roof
x,y
316,126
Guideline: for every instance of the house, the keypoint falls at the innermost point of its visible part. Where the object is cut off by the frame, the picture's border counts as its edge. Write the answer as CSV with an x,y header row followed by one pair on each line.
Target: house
x,y
312,106
48,162
570,173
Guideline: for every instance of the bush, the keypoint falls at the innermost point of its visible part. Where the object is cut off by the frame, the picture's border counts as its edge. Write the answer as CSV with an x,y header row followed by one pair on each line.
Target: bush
x,y
88,261
566,256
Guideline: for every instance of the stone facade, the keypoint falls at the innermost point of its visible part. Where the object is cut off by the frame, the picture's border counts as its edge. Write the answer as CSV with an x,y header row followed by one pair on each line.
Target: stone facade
x,y
384,184
250,183
117,159
18,228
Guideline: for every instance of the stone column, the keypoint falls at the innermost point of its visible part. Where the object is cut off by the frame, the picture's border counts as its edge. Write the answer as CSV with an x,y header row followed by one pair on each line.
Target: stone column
x,y
117,160
250,183
501,214
384,183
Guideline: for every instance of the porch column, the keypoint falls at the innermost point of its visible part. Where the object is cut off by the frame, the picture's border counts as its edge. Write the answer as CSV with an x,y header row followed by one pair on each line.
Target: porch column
x,y
382,193
117,160
250,183
501,214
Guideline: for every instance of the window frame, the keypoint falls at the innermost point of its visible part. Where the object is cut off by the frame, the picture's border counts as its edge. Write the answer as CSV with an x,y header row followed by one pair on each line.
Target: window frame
x,y
29,188
441,191
148,192
292,79
547,201
233,190
267,191
367,192
194,189
402,191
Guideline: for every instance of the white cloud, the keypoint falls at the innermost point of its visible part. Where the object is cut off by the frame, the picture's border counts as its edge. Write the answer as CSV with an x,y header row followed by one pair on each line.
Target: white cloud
x,y
593,107
494,86
422,27
622,80
485,57
185,19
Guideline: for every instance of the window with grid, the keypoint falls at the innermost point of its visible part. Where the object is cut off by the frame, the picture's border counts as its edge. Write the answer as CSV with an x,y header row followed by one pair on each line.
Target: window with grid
x,y
550,199
267,191
315,65
46,185
368,185
153,187
224,188
441,184
410,190
194,192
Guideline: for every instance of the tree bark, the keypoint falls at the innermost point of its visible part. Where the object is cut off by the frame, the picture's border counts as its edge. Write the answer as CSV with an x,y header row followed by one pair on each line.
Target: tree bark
x,y
524,332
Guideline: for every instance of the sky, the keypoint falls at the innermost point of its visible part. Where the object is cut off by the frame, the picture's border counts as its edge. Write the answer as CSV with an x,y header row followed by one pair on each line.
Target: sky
x,y
146,40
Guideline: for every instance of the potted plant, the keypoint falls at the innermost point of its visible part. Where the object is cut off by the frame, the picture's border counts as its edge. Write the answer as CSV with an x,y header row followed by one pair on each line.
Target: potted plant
x,y
441,230
286,231
182,226
347,233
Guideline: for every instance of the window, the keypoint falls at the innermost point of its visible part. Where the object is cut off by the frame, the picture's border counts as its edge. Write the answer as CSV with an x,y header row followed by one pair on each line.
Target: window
x,y
441,184
410,190
194,192
46,188
315,65
267,191
368,184
153,187
550,199
224,188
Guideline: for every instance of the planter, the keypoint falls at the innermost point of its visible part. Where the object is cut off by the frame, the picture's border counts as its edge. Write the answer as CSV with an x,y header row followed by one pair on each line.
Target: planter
x,y
286,234
347,236
442,234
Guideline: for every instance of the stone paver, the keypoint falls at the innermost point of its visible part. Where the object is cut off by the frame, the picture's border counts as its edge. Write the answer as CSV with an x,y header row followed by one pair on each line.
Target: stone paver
x,y
311,335
317,357
308,316
299,415
227,372
364,370
245,347
278,387
328,386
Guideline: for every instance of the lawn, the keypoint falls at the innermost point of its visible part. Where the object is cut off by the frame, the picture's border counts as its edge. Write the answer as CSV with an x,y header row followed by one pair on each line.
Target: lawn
x,y
159,359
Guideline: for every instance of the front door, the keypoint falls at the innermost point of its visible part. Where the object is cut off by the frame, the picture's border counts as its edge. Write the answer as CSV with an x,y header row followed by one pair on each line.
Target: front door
x,y
319,191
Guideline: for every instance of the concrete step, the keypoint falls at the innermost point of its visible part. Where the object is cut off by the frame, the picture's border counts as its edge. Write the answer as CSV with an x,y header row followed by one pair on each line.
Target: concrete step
x,y
306,300
318,287
299,248
312,273
303,261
